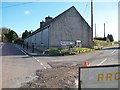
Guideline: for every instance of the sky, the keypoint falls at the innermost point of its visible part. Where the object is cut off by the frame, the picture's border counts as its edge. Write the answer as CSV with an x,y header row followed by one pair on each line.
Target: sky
x,y
21,16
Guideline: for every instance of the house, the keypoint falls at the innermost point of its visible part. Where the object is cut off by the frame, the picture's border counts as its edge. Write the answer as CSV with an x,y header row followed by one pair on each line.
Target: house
x,y
68,28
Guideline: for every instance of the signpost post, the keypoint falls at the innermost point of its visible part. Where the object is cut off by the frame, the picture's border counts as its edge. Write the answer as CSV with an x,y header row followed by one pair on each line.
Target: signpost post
x,y
107,76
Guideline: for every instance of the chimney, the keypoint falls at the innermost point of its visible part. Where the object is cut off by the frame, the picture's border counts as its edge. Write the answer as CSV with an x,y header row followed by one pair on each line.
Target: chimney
x,y
48,19
42,23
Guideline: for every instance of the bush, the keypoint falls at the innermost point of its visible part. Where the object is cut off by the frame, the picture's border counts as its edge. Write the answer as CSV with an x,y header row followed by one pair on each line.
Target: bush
x,y
19,41
98,47
100,43
52,52
59,52
65,52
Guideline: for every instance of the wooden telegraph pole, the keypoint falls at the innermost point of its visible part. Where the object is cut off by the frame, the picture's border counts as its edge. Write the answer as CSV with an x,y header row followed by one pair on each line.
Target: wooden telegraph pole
x,y
91,23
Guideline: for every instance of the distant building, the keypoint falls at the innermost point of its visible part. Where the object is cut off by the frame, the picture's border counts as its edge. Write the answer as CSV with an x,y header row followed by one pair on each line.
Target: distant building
x,y
68,27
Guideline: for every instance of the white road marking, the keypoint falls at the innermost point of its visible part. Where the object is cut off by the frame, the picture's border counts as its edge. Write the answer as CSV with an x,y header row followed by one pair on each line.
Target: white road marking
x,y
102,62
45,68
76,83
0,47
38,61
32,79
41,63
35,58
113,51
22,51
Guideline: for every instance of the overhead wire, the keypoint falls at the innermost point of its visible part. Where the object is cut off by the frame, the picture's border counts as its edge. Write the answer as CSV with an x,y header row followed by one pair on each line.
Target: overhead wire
x,y
86,13
86,7
19,4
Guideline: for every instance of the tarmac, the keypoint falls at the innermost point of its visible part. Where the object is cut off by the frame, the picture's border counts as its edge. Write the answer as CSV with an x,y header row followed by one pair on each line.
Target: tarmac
x,y
29,51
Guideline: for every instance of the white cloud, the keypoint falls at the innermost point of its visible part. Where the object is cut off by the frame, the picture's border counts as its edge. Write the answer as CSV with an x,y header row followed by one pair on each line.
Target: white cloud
x,y
27,12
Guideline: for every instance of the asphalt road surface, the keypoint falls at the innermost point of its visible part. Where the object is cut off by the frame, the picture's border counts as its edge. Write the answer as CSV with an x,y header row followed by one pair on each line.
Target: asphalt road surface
x,y
106,56
17,67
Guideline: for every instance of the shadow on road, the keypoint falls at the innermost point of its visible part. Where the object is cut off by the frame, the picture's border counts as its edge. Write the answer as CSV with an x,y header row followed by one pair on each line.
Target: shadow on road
x,y
26,57
111,48
9,49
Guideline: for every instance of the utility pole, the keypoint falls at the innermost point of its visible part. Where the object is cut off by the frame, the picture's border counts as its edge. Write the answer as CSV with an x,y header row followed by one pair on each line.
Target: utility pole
x,y
92,23
104,30
95,30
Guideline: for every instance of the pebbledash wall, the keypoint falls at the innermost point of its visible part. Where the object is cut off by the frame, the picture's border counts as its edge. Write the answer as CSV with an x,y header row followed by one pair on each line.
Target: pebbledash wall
x,y
67,26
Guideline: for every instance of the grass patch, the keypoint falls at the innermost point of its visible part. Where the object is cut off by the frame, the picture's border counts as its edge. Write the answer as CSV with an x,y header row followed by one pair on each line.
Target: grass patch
x,y
62,52
82,50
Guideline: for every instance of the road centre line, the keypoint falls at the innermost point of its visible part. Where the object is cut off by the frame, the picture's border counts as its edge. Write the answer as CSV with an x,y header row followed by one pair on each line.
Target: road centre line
x,y
35,58
45,68
0,47
22,51
102,62
113,51
38,61
41,63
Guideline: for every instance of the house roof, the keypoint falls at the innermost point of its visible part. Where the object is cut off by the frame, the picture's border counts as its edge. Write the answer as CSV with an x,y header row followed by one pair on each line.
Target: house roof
x,y
47,23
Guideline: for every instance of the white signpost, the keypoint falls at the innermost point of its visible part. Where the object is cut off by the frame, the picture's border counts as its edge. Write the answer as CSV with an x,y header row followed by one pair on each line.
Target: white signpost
x,y
99,77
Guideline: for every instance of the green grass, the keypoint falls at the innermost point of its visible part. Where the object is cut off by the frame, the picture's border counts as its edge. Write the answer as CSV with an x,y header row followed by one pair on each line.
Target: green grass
x,y
82,50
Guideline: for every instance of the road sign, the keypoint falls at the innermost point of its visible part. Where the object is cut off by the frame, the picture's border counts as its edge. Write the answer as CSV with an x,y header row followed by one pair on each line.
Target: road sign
x,y
67,43
107,76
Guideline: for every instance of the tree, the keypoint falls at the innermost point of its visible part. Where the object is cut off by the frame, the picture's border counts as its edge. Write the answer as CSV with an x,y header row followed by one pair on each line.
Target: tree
x,y
26,34
4,31
110,37
11,35
19,41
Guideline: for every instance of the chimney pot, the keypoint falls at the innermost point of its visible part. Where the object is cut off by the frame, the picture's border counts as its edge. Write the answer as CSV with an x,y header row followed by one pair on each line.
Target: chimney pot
x,y
48,19
42,23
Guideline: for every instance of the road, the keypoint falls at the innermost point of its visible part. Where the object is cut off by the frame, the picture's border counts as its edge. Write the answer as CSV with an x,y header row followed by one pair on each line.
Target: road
x,y
108,55
17,67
